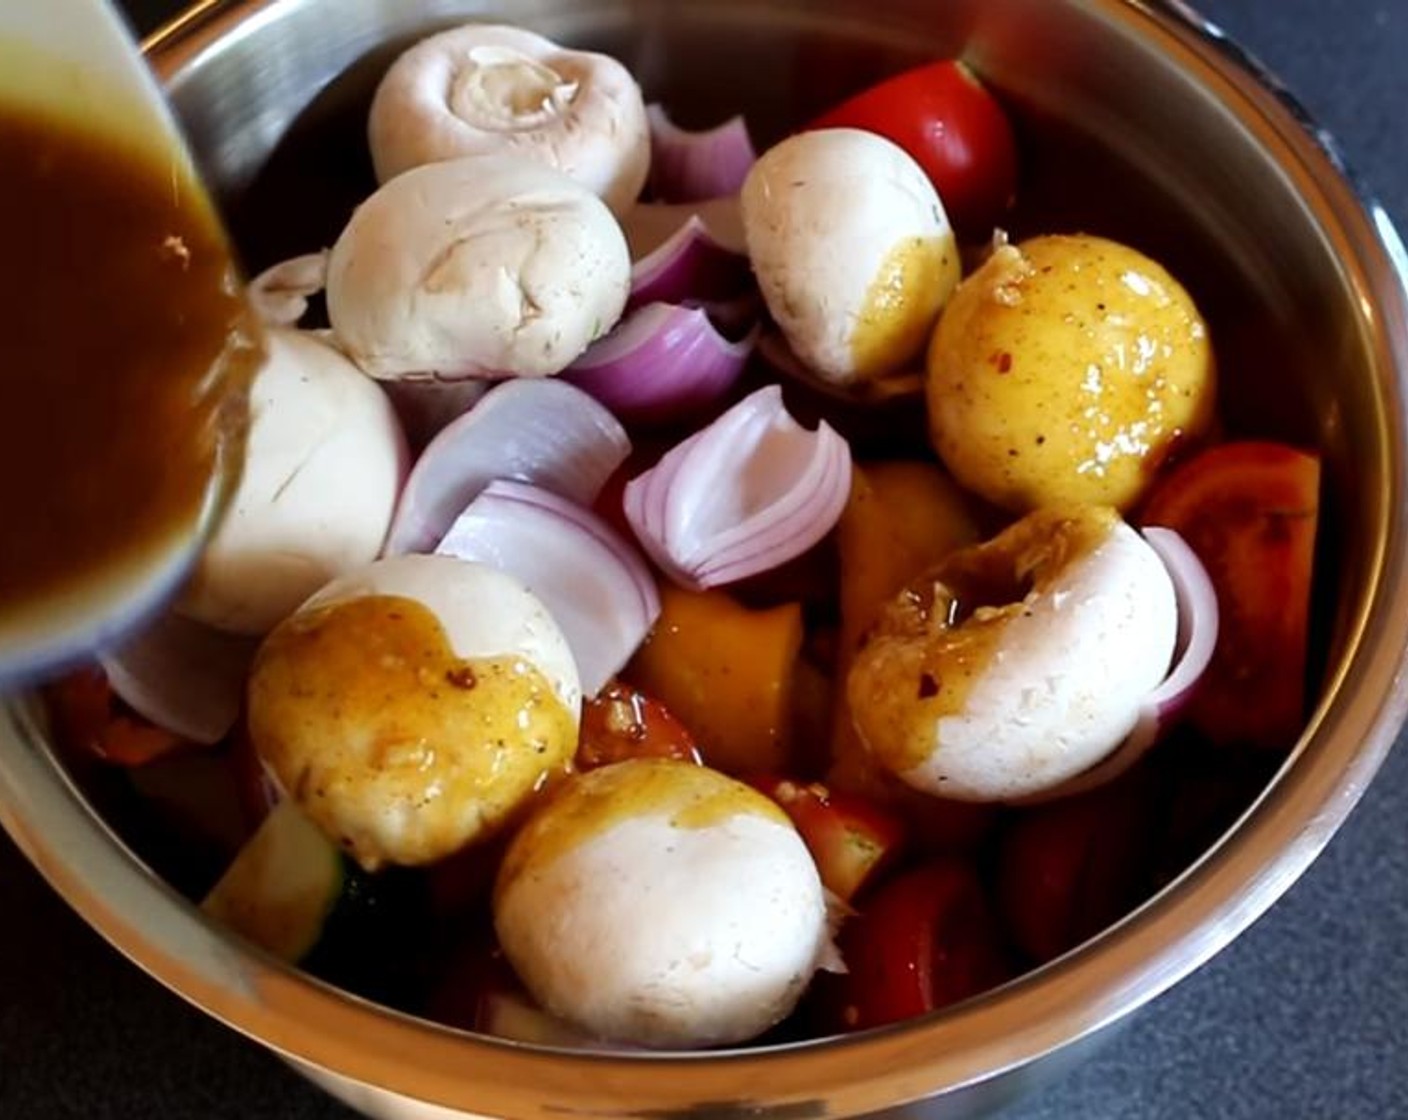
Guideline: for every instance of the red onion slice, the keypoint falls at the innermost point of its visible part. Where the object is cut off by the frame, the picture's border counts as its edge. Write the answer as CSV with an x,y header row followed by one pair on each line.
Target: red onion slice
x,y
648,225
594,583
686,166
746,494
186,678
535,430
689,266
1198,622
661,364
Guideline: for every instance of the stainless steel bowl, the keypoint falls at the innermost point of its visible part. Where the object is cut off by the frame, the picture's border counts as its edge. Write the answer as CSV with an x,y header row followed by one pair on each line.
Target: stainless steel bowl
x,y
1233,190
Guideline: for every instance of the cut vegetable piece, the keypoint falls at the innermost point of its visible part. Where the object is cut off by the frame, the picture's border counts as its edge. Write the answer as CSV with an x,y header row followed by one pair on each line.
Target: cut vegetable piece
x,y
184,677
594,584
1249,510
925,940
547,433
291,891
746,494
663,363
1068,869
726,674
79,706
283,885
686,166
1198,624
622,722
691,265
853,841
901,518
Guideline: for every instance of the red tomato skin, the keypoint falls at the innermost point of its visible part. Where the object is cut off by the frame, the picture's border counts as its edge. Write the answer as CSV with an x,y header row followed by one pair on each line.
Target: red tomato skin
x,y
1068,869
80,705
1250,511
852,840
622,722
944,826
90,719
925,939
953,127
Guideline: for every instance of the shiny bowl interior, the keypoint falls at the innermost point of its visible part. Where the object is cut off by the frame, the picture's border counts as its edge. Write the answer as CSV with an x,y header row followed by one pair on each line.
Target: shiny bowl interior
x,y
1145,125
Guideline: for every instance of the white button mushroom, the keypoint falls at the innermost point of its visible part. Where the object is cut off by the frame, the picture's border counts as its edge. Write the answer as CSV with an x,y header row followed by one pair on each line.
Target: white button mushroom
x,y
852,249
485,89
280,294
662,903
412,706
476,267
1020,662
324,462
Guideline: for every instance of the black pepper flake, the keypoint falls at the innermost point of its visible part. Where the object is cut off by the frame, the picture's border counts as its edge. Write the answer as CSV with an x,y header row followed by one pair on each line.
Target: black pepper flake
x,y
928,686
1040,440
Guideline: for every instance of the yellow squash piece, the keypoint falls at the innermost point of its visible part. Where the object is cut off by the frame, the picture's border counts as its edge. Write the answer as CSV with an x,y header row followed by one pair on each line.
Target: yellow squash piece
x,y
726,672
903,517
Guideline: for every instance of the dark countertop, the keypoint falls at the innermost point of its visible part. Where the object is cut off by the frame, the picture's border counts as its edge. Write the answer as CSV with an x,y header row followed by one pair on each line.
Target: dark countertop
x,y
1305,1016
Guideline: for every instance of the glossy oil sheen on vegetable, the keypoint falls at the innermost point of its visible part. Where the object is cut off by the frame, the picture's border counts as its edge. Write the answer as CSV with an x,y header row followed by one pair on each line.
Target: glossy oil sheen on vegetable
x,y
363,702
124,358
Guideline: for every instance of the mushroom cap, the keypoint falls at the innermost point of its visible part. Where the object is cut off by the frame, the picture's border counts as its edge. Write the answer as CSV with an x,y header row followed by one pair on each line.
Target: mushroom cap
x,y
852,249
324,462
1025,693
483,266
662,903
411,707
486,89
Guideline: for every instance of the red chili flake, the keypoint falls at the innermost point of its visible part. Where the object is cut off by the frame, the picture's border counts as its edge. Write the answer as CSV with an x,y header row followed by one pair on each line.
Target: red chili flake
x,y
461,677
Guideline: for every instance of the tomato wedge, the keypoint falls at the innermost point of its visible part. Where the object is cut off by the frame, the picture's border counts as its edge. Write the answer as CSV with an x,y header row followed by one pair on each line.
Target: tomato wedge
x,y
1070,868
852,840
925,940
621,722
943,116
1250,511
89,718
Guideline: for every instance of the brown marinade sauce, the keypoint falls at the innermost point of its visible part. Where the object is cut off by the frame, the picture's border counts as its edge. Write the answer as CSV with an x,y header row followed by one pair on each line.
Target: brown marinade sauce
x,y
124,350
